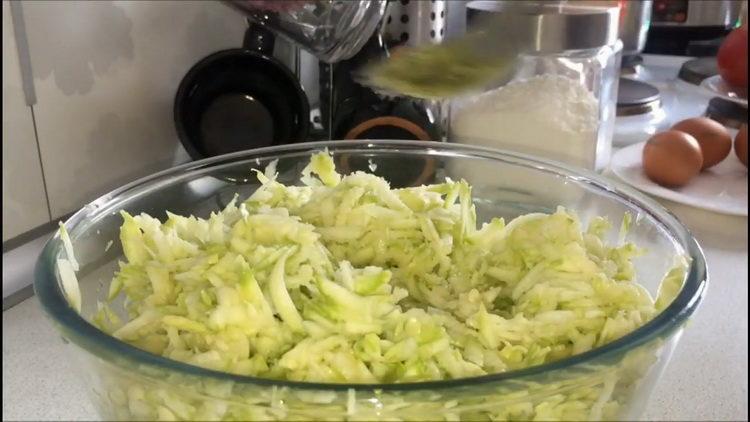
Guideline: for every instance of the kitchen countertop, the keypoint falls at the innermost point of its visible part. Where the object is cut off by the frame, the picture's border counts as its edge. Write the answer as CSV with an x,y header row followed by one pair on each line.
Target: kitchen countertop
x,y
705,380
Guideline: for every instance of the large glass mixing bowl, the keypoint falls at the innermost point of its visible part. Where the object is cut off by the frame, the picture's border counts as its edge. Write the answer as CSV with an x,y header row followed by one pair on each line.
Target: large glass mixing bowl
x,y
609,382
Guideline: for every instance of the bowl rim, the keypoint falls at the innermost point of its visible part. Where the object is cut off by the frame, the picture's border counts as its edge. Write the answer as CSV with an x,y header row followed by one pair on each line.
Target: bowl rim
x,y
85,335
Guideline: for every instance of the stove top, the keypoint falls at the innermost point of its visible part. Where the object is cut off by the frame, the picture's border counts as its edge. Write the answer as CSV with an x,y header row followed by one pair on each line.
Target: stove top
x,y
654,80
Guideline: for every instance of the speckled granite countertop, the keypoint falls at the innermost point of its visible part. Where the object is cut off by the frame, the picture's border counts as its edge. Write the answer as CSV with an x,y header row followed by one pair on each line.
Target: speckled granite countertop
x,y
705,380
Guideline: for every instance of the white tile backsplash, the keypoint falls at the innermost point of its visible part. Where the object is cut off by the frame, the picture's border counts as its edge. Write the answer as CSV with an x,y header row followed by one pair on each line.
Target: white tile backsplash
x,y
105,75
24,202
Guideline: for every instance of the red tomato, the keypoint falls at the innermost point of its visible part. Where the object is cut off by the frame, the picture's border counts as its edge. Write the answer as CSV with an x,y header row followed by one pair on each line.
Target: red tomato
x,y
732,58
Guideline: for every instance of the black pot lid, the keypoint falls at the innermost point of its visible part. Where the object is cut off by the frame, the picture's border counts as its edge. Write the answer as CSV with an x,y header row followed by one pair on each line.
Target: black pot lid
x,y
233,121
236,100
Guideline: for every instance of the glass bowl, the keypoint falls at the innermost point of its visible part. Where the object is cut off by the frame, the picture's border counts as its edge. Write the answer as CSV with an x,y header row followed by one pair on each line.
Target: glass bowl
x,y
611,382
332,30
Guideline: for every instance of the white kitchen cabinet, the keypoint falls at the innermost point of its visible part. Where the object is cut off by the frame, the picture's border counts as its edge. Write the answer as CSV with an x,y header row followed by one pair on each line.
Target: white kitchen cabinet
x,y
105,75
24,201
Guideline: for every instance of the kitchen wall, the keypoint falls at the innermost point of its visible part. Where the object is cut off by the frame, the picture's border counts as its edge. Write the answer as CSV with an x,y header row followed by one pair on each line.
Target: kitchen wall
x,y
104,75
102,80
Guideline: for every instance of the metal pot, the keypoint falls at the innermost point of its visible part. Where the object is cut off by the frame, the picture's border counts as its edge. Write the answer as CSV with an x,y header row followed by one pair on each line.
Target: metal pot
x,y
635,19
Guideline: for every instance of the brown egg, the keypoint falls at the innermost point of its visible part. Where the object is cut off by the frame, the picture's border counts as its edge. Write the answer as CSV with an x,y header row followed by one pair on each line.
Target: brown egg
x,y
740,144
712,136
672,158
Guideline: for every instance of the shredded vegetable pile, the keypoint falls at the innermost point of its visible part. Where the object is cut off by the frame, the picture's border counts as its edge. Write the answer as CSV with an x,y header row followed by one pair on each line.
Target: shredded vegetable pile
x,y
344,279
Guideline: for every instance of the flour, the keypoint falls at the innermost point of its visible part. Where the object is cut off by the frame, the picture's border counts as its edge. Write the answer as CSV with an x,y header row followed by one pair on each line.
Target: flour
x,y
548,116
